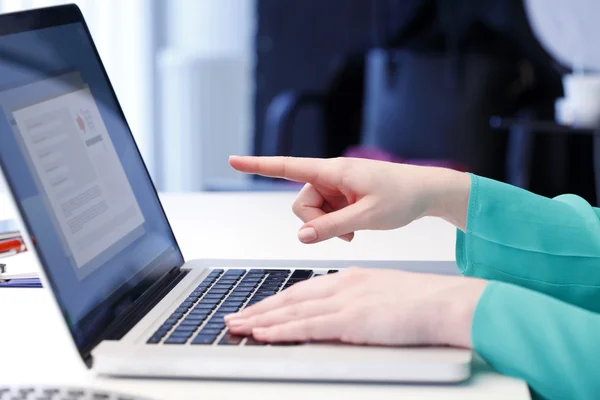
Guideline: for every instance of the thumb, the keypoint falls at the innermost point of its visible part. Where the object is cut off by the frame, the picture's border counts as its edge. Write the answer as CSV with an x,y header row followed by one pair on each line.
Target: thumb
x,y
333,224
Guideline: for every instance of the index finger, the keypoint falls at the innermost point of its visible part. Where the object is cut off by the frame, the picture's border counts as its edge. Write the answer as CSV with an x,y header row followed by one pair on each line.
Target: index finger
x,y
290,168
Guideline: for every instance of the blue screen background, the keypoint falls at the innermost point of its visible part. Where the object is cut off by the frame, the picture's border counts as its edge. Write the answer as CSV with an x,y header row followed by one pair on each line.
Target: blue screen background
x,y
48,53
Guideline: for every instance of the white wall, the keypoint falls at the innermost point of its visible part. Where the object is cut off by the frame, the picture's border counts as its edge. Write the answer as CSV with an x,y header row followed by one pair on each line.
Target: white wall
x,y
205,75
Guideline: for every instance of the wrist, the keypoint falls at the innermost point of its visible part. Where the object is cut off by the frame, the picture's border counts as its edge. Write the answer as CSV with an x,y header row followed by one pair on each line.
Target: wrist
x,y
454,312
448,193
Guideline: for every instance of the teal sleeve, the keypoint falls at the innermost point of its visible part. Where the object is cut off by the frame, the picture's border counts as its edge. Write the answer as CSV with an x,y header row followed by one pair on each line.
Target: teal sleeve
x,y
538,317
548,245
552,345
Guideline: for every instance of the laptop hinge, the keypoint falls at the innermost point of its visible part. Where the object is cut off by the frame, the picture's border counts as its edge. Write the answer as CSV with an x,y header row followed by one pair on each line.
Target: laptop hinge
x,y
144,304
138,310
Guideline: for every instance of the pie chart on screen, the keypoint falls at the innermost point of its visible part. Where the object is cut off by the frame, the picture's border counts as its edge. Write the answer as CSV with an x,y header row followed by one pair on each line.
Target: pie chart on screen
x,y
80,123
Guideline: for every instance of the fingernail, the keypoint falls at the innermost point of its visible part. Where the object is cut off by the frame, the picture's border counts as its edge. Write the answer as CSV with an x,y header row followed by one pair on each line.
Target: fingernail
x,y
232,316
236,323
345,238
307,235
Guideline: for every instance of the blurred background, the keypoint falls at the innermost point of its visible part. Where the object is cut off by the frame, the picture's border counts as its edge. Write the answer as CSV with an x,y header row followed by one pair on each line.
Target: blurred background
x,y
472,85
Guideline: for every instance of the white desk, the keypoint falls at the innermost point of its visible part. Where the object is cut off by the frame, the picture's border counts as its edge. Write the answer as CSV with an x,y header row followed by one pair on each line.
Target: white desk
x,y
34,347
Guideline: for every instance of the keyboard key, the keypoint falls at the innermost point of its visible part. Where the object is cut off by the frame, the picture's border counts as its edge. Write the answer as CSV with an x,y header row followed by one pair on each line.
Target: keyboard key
x,y
252,278
217,320
186,304
302,274
217,291
185,328
257,272
253,342
214,325
190,323
201,310
181,334
209,301
259,296
278,272
204,339
227,281
205,306
232,340
235,272
171,321
240,299
215,272
177,315
196,317
181,310
246,285
219,314
241,293
232,304
216,296
214,331
176,340
229,310
163,329
155,339
218,288
270,285
275,278
160,334
194,321
332,271
265,292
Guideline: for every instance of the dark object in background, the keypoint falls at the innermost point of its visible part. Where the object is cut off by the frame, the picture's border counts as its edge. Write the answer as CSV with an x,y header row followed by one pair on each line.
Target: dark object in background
x,y
449,66
418,105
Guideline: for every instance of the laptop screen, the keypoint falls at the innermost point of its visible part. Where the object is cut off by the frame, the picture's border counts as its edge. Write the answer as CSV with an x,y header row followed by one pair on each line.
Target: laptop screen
x,y
76,173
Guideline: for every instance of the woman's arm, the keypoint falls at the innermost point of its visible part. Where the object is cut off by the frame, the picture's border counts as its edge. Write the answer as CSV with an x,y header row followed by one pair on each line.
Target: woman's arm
x,y
552,246
548,245
552,345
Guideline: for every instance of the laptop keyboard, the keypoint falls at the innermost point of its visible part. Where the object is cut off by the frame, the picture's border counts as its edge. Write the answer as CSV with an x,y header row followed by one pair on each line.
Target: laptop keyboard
x,y
199,319
39,392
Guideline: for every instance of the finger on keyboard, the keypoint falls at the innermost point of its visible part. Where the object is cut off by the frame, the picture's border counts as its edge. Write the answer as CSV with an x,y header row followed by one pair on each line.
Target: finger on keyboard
x,y
322,287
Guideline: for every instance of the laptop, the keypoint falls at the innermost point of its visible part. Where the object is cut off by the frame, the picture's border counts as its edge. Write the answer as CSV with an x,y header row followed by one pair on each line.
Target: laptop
x,y
91,216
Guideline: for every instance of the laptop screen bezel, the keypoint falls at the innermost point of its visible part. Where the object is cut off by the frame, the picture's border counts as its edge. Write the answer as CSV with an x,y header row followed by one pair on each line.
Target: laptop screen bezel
x,y
31,20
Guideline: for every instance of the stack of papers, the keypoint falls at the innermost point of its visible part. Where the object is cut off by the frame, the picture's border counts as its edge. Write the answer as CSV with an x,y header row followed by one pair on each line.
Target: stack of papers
x,y
17,270
21,270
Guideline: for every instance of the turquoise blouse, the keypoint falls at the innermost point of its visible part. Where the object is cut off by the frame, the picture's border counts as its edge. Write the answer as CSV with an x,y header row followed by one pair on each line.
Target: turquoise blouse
x,y
539,317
